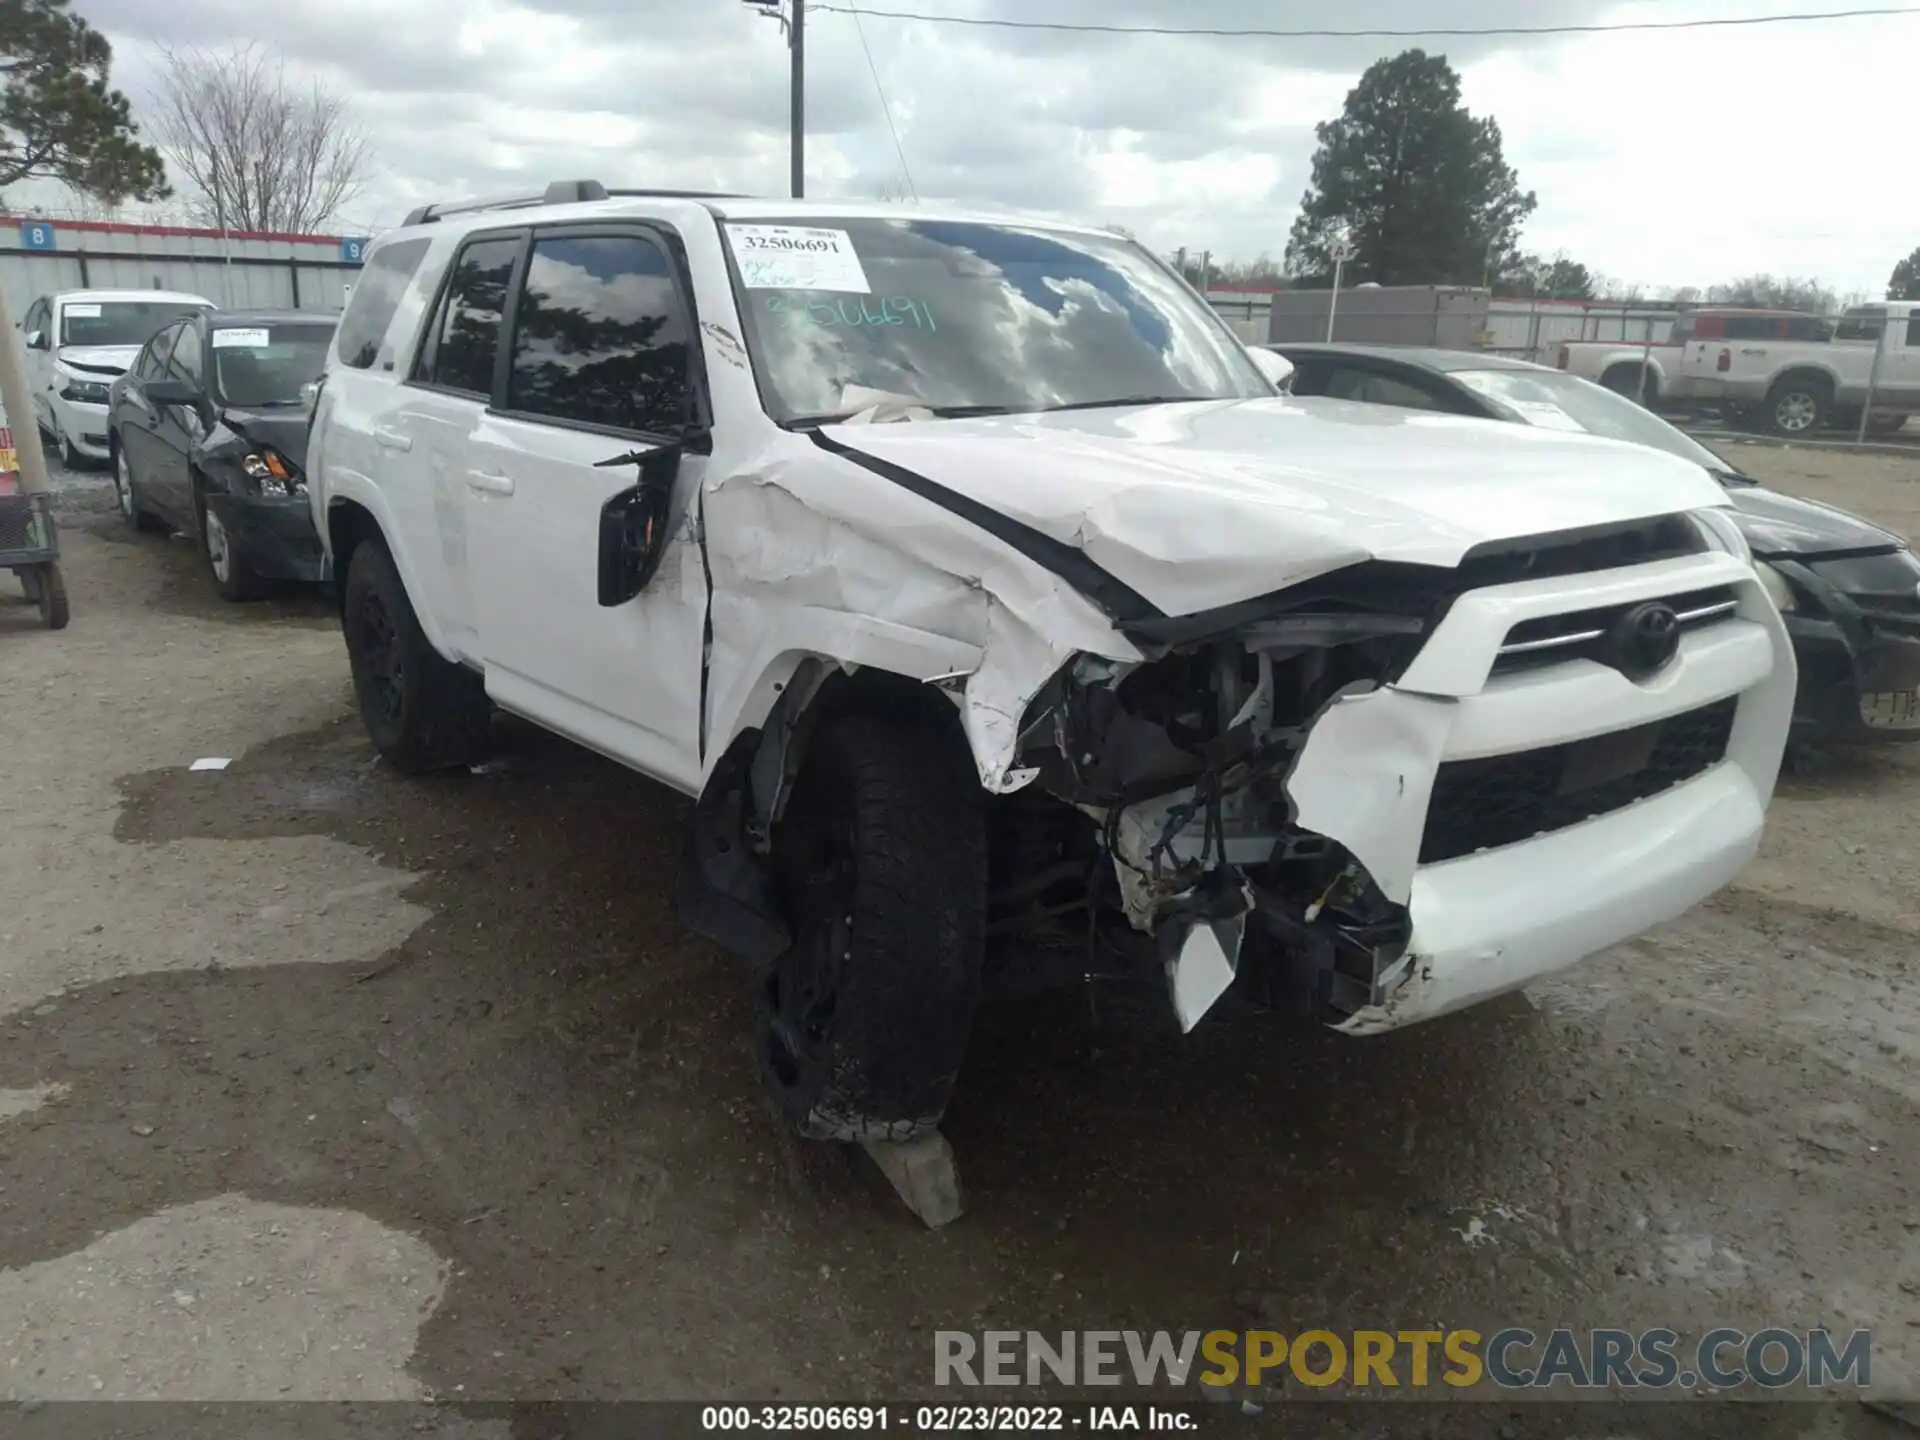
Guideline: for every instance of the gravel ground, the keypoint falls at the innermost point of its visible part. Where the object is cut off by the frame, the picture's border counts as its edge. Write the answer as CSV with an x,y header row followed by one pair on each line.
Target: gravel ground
x,y
319,1082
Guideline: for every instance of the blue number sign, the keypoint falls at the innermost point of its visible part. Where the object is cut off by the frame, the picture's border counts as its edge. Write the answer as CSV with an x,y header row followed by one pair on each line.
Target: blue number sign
x,y
351,248
36,235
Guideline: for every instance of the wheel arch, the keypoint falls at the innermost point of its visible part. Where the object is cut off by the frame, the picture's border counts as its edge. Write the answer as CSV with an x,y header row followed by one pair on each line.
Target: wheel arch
x,y
361,515
1805,371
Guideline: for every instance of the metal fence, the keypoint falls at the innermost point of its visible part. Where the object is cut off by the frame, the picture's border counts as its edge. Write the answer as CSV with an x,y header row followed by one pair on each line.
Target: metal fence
x,y
40,255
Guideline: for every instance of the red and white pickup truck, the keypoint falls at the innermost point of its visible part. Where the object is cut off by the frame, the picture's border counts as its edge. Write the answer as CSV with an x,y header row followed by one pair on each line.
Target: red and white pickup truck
x,y
1655,373
1792,387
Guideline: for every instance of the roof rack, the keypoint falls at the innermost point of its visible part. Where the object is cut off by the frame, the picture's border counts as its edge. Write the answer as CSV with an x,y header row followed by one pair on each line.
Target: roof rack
x,y
560,192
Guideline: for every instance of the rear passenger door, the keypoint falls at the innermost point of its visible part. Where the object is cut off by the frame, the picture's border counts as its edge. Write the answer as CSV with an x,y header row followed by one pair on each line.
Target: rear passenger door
x,y
599,370
426,445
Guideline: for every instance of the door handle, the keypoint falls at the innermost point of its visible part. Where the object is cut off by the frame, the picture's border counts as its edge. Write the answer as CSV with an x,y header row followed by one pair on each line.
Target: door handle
x,y
489,484
392,439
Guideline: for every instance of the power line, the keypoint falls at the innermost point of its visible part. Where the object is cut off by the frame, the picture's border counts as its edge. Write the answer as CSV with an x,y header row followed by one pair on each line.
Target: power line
x,y
885,108
987,22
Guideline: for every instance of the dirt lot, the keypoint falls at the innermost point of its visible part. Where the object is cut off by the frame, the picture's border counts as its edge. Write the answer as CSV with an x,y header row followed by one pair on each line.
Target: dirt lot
x,y
324,1083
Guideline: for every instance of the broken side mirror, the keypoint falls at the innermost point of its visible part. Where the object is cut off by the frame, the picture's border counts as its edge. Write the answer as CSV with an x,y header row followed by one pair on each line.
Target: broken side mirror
x,y
634,524
36,339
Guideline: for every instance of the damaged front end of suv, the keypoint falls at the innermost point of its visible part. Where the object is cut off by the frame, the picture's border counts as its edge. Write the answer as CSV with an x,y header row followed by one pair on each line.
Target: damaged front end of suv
x,y
1193,852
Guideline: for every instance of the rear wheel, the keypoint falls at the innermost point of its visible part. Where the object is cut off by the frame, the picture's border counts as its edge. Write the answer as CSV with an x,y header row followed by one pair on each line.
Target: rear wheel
x,y
882,861
1884,424
1798,405
423,711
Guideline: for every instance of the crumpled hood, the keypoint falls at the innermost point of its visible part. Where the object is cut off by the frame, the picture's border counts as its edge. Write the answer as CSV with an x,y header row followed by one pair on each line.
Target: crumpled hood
x,y
284,429
102,359
1198,505
1777,524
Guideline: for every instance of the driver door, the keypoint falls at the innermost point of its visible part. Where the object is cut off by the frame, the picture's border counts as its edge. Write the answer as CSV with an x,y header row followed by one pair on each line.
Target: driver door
x,y
598,370
138,418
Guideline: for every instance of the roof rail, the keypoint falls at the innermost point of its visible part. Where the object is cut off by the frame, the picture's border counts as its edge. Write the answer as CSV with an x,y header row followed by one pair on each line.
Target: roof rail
x,y
560,192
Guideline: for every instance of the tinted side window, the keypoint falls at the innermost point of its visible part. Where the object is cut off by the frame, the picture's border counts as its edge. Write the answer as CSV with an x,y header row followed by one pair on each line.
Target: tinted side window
x,y
1752,327
1809,327
600,337
1913,329
185,362
1709,327
467,333
376,295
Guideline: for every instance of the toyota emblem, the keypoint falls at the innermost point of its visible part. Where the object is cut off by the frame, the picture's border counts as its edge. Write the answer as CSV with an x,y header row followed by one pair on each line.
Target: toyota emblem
x,y
1644,640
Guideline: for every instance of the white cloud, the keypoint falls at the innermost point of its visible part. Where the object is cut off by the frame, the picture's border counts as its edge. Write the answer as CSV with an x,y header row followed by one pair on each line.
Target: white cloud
x,y
1667,159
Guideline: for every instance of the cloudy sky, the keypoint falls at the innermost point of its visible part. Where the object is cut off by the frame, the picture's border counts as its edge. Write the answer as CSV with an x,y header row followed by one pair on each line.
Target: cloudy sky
x,y
1665,159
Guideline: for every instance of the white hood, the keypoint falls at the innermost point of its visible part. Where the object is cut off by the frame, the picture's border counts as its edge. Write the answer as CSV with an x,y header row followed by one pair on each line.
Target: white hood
x,y
1202,504
99,357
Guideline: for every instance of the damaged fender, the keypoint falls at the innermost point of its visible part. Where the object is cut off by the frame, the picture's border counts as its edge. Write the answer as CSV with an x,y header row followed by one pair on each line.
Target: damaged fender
x,y
804,564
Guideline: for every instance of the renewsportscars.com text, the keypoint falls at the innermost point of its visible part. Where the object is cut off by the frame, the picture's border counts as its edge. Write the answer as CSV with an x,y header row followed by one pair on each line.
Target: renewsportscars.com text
x,y
1602,1359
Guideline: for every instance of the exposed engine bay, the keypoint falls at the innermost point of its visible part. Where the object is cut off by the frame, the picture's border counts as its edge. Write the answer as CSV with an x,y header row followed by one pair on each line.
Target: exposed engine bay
x,y
1175,771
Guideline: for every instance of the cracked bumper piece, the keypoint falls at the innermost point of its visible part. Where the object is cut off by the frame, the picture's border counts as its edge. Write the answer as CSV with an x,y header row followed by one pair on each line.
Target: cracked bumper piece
x,y
277,536
1490,923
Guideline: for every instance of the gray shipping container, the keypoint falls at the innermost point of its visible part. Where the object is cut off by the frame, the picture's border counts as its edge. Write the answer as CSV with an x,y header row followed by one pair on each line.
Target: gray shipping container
x,y
242,270
1452,317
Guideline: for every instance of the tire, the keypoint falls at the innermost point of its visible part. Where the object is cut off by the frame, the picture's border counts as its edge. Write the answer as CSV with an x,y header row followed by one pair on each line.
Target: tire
x,y
882,861
1798,405
68,456
236,581
127,491
1886,424
424,712
50,592
1625,380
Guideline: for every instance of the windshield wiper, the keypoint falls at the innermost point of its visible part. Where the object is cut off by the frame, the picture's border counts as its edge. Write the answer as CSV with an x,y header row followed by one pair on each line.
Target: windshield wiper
x,y
1123,400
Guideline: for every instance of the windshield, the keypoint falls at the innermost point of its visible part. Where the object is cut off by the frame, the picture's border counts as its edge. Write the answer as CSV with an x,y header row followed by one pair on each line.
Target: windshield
x,y
119,322
267,364
1554,401
970,317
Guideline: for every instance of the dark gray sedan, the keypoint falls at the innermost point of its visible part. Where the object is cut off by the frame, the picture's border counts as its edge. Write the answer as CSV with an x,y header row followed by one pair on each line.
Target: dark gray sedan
x,y
1849,590
207,433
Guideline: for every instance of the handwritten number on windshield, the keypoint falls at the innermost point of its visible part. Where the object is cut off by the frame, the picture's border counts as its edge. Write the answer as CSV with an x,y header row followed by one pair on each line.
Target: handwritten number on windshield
x,y
854,311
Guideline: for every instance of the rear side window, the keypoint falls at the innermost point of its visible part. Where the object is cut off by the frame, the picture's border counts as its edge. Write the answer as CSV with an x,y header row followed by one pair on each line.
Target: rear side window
x,y
1809,327
376,295
1752,327
466,333
1709,327
600,337
1913,329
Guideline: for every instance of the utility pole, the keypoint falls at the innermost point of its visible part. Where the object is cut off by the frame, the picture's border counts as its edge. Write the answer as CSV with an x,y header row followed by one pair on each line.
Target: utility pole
x,y
794,22
797,44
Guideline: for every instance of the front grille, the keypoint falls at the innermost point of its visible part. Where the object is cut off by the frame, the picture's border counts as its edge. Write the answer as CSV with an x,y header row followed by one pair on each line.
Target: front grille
x,y
1581,634
1504,799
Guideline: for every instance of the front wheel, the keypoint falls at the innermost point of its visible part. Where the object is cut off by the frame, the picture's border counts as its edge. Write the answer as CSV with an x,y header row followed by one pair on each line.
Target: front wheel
x,y
882,862
424,712
232,576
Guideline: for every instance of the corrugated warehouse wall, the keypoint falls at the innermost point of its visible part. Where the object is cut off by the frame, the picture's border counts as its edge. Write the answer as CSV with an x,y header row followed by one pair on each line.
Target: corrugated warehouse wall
x,y
238,271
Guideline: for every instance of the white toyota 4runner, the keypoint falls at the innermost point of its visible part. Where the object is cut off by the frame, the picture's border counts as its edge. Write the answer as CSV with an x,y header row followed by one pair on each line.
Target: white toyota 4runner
x,y
1007,623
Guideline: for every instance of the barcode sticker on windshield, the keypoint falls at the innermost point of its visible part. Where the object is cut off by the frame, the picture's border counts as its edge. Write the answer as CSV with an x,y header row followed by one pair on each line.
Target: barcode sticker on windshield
x,y
795,257
239,339
81,310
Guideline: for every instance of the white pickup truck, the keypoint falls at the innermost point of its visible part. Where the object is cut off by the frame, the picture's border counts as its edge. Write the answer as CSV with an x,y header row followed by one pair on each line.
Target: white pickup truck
x,y
1793,387
1619,364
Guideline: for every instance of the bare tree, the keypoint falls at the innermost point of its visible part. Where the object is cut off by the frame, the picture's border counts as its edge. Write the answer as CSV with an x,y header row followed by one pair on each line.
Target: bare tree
x,y
256,150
